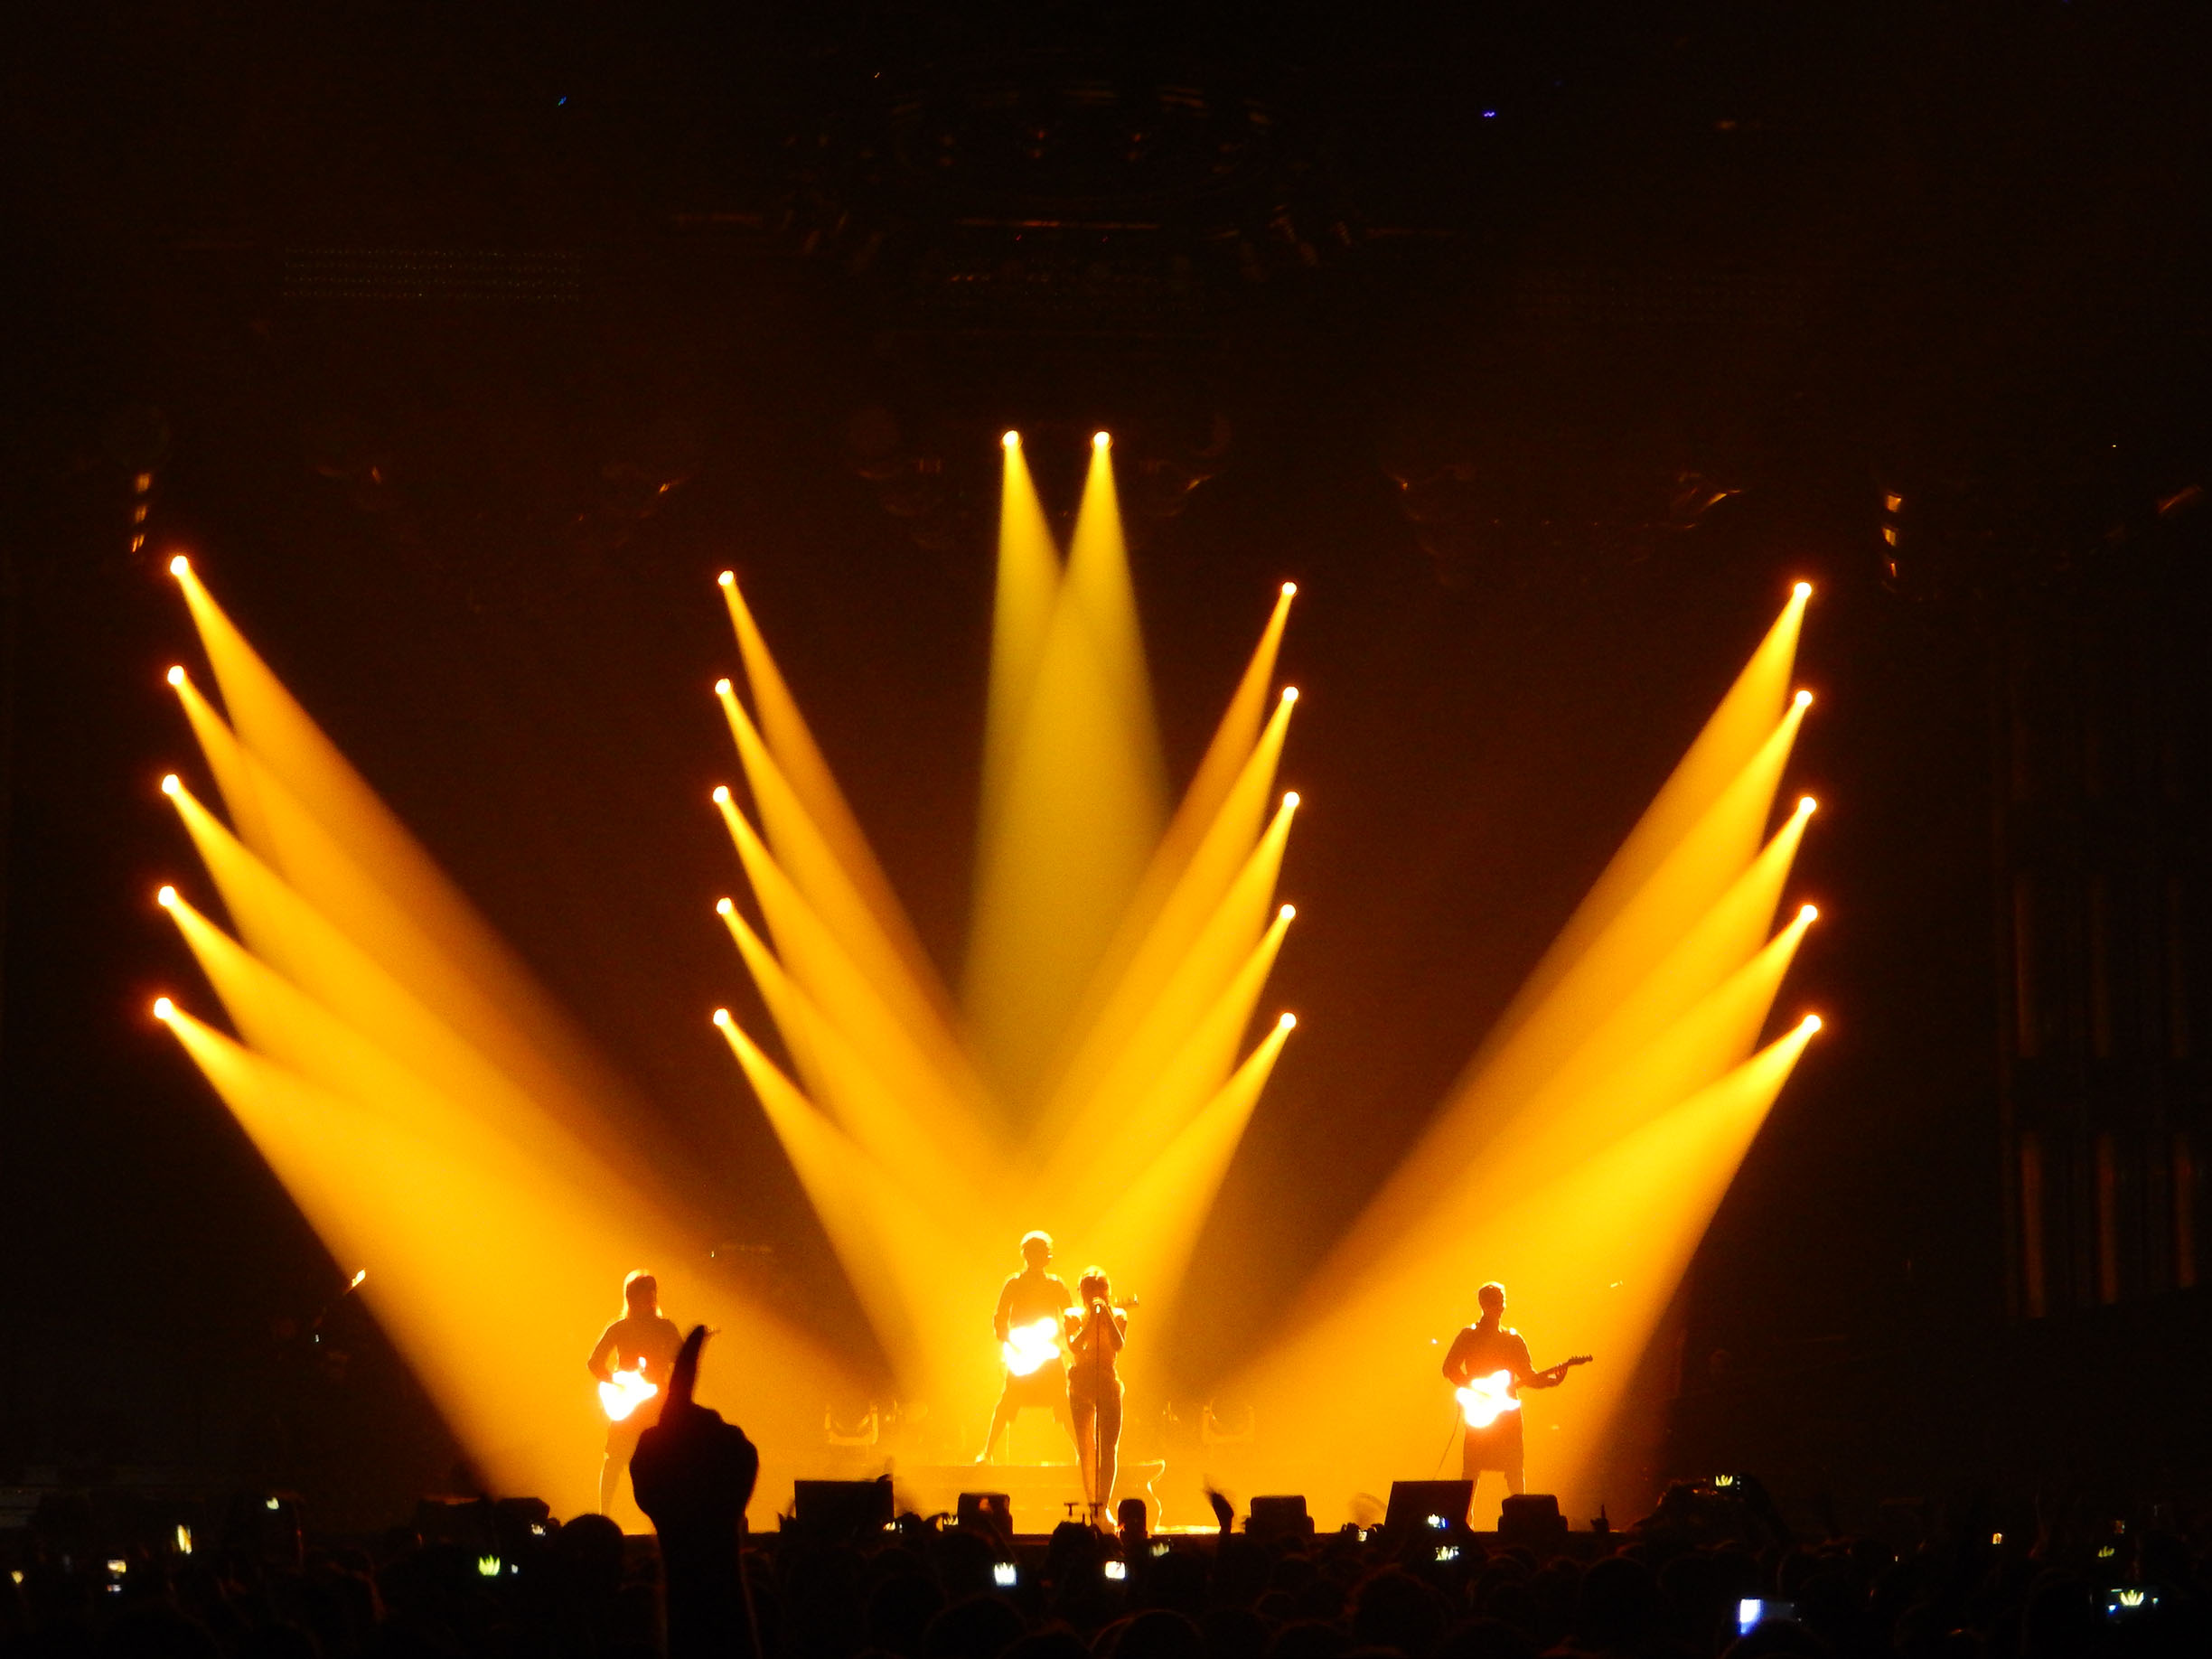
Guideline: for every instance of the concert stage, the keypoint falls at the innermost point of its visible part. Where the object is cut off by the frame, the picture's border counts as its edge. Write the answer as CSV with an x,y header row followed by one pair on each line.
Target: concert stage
x,y
1042,1495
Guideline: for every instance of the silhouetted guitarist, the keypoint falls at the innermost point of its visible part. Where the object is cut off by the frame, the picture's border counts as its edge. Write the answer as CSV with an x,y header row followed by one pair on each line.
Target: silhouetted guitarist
x,y
1489,1365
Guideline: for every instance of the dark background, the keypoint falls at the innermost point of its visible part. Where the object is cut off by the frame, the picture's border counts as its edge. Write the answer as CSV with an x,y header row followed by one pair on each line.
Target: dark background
x,y
1543,345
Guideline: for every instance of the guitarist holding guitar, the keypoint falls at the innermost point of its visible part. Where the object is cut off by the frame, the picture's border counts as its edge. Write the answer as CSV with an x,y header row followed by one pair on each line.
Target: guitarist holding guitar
x,y
1489,1366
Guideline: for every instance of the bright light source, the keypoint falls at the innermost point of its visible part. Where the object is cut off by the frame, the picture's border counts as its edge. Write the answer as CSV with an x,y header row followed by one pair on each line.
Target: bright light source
x,y
355,1282
723,907
1804,590
1812,1023
1117,1570
176,676
1012,440
1289,694
116,1563
1291,800
1290,590
1808,912
1004,1574
166,897
722,688
184,1539
179,565
1805,803
163,1007
1803,699
721,794
1288,1022
728,579
721,1016
1099,440
171,784
1287,911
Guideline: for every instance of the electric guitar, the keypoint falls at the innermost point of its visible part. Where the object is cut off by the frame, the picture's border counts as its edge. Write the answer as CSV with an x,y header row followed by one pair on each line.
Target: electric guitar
x,y
1485,1399
624,1393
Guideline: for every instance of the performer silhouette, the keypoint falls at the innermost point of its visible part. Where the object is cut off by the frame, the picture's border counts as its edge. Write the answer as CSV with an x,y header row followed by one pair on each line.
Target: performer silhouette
x,y
1033,1307
1477,1354
644,1343
1095,1332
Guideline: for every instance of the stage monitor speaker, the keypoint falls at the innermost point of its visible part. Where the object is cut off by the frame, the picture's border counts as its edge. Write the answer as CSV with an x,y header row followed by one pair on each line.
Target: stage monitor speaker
x,y
841,1510
1428,1506
987,1512
1531,1517
1277,1518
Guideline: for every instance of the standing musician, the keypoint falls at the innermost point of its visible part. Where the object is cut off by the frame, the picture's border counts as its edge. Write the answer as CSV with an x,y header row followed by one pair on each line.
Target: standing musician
x,y
1489,1364
1031,1323
641,1347
1095,1332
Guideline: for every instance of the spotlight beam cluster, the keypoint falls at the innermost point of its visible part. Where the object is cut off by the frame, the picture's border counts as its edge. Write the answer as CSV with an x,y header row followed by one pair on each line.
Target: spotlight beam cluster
x,y
422,1102
1584,1148
1093,1081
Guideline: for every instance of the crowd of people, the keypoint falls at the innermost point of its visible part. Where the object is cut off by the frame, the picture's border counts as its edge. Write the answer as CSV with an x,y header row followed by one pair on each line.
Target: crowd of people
x,y
1677,1585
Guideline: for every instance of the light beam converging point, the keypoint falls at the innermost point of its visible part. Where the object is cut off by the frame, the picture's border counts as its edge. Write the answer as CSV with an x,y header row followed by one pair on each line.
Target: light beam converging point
x,y
1803,699
1807,805
1099,440
1287,1023
1290,590
724,908
1804,590
171,784
179,566
728,579
1289,694
722,688
175,675
1808,912
1011,440
1810,1024
721,794
721,1016
166,898
163,1009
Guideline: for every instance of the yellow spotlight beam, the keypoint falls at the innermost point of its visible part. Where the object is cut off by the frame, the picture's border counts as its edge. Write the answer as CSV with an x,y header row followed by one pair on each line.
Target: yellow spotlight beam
x,y
1067,837
1701,866
1145,959
1592,1248
800,760
865,1107
1155,1224
313,954
491,1281
1028,585
889,1244
830,890
1724,746
844,995
529,1036
1086,1176
1192,983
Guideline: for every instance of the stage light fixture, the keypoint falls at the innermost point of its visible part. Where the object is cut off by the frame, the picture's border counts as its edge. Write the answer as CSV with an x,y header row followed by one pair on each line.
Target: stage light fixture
x,y
1012,440
722,687
1804,590
1803,699
166,898
728,579
175,675
179,566
1808,912
1289,694
1287,911
1288,1022
1290,800
1290,590
1099,440
164,1008
723,907
722,1018
1805,803
1810,1024
721,794
171,784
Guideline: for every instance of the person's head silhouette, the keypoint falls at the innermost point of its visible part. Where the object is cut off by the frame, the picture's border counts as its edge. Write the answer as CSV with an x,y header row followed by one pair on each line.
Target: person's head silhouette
x,y
1492,1296
1036,1250
641,1294
1092,1286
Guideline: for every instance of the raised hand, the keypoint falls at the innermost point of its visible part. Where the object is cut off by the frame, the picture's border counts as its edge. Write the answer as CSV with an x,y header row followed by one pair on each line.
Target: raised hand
x,y
691,1469
694,1474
